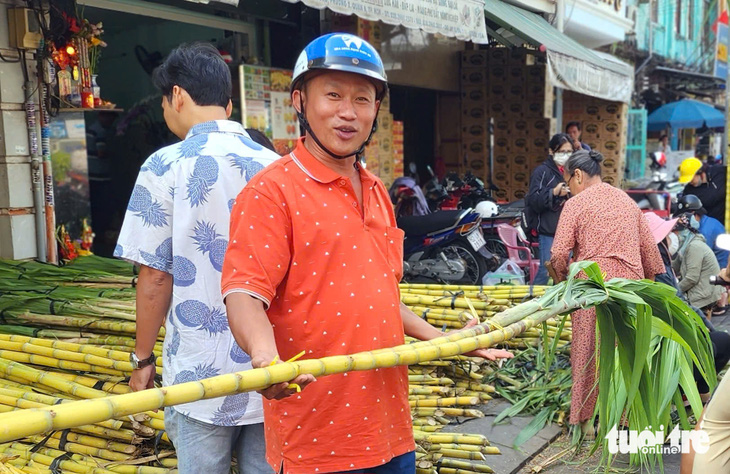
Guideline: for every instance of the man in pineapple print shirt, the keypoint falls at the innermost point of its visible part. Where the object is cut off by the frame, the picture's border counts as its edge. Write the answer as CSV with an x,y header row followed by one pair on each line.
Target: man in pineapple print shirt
x,y
314,264
176,228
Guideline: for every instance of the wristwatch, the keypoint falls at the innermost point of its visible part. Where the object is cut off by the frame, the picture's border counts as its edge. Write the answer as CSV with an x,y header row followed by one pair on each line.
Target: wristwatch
x,y
139,364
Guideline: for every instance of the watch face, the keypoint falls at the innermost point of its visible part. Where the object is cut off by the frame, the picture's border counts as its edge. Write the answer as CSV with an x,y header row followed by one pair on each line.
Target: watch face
x,y
134,360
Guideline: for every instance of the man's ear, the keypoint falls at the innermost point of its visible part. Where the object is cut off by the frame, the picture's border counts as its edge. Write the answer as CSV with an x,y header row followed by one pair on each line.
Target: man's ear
x,y
178,98
229,109
296,99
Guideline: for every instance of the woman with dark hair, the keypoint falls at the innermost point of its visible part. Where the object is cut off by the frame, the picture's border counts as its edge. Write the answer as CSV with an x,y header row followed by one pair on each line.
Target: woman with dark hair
x,y
602,224
548,192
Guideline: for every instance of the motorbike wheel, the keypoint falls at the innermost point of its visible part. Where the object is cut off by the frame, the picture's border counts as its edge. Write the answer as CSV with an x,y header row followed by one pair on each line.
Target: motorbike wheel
x,y
476,265
496,247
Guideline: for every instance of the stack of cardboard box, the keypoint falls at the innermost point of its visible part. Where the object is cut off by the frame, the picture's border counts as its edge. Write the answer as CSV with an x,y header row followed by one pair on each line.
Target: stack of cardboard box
x,y
604,129
398,148
380,154
474,116
521,106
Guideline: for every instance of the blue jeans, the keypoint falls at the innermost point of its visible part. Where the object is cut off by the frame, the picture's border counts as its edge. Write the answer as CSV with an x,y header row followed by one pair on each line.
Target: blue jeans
x,y
203,448
403,464
546,243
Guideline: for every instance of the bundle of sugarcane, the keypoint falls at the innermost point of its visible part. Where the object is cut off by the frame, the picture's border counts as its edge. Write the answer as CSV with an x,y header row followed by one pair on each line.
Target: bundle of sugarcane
x,y
89,272
68,313
128,440
451,306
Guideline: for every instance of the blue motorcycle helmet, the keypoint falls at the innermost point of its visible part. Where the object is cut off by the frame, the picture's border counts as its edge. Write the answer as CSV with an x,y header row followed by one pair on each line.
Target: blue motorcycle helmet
x,y
339,52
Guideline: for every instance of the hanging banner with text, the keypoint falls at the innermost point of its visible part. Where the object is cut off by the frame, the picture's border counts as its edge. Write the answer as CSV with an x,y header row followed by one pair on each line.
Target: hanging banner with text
x,y
588,79
462,19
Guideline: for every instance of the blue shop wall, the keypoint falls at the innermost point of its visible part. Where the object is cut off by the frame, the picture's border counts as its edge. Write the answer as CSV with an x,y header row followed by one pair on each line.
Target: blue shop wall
x,y
689,41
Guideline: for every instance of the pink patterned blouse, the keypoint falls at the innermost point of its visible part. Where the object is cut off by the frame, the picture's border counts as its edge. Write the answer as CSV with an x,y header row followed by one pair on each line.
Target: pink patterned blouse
x,y
603,224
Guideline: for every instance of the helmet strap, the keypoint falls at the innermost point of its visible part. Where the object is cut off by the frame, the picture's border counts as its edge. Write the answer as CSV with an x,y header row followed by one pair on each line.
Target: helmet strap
x,y
302,116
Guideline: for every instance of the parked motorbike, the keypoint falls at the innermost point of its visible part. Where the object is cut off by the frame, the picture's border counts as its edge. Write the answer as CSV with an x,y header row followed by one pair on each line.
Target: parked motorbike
x,y
656,194
446,246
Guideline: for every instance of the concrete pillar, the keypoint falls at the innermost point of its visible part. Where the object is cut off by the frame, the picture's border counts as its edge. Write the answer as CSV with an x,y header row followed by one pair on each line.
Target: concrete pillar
x,y
17,221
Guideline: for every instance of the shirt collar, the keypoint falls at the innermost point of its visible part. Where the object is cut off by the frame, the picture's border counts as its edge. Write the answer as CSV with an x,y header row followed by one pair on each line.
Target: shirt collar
x,y
313,168
221,126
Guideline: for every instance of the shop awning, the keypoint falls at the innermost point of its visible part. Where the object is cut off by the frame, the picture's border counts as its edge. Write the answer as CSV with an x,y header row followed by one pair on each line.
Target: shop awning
x,y
570,65
462,19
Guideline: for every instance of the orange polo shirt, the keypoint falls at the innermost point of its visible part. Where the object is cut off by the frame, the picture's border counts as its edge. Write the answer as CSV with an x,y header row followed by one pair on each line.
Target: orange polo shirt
x,y
328,272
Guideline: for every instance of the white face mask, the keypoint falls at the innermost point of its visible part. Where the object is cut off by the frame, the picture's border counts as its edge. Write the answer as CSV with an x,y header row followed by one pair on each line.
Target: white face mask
x,y
673,243
561,157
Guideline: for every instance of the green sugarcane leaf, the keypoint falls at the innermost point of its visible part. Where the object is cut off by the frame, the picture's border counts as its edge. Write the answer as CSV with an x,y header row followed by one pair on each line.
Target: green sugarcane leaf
x,y
534,427
514,410
681,410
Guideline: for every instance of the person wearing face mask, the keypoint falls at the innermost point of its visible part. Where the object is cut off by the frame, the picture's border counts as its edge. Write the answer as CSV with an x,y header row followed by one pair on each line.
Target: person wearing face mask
x,y
602,224
546,197
695,263
710,228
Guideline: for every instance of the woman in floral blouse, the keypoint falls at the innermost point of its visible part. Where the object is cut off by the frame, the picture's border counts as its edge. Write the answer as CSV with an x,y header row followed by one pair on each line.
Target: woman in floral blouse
x,y
602,224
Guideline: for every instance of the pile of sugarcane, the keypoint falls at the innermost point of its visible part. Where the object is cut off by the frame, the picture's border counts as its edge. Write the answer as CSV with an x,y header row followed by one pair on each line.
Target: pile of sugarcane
x,y
66,334
451,307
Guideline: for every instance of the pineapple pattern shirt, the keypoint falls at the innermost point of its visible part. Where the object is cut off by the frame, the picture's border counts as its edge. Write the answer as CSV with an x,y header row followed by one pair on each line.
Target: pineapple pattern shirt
x,y
177,222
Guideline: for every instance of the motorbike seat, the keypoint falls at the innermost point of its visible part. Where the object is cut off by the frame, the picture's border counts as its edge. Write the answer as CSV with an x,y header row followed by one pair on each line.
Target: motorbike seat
x,y
422,225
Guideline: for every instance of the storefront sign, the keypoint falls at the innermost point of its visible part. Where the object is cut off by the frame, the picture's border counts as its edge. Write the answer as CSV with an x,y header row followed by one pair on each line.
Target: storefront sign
x,y
723,34
588,79
462,19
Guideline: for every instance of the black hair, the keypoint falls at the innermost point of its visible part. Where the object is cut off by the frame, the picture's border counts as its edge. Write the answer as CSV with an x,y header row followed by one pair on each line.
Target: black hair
x,y
558,140
588,162
662,136
260,138
199,69
572,124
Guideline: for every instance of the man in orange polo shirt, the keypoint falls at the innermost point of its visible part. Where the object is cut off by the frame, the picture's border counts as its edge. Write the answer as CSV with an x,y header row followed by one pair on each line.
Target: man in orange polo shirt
x,y
314,242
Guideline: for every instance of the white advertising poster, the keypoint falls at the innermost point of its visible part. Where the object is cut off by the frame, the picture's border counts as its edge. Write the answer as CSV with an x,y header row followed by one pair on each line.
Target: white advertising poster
x,y
284,124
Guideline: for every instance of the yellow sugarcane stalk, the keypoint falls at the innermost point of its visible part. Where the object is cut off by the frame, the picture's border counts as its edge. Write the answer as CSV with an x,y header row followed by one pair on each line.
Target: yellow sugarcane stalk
x,y
59,364
88,462
106,365
451,470
93,441
86,323
445,402
470,466
488,294
480,387
448,313
459,454
81,449
91,382
454,438
471,288
30,343
424,422
490,450
72,466
426,471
